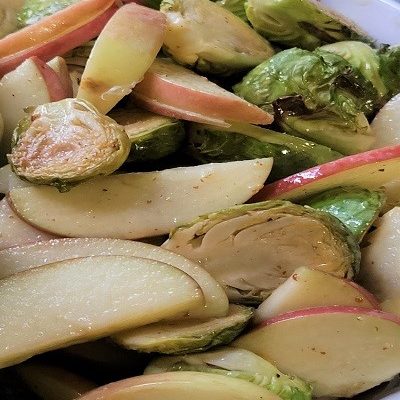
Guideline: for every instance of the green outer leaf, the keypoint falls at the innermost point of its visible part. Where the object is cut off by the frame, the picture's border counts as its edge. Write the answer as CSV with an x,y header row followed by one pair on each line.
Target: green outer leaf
x,y
299,23
319,87
235,6
237,363
190,336
242,142
389,68
357,208
152,3
35,10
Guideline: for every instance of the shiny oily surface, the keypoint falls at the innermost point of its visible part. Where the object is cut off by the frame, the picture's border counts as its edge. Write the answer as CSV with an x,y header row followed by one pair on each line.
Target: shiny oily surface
x,y
181,386
83,299
21,258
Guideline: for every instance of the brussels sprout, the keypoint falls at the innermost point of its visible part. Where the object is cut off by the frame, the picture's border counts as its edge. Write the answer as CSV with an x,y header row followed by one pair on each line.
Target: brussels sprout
x,y
357,208
389,58
210,38
317,95
236,363
66,142
186,336
302,23
363,58
152,136
35,10
251,249
291,154
234,6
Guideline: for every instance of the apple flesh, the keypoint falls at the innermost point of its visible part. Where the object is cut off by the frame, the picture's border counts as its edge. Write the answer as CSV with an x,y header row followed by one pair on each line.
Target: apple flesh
x,y
9,180
138,205
380,263
56,34
181,386
53,383
33,83
312,288
123,52
82,299
341,350
392,306
14,231
22,258
369,170
172,90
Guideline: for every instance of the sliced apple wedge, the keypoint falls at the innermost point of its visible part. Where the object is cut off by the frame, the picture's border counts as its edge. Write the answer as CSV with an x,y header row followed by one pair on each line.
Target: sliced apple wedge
x,y
56,34
14,231
53,383
22,258
60,67
369,170
392,306
79,300
181,386
172,90
123,52
341,351
380,272
9,181
138,205
31,84
312,288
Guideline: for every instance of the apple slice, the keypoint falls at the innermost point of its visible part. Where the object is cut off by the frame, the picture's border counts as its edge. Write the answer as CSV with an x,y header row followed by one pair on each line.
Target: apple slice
x,y
31,84
303,290
341,351
380,268
53,383
392,306
172,90
14,231
60,67
369,170
82,299
8,180
181,386
22,258
138,205
56,34
123,52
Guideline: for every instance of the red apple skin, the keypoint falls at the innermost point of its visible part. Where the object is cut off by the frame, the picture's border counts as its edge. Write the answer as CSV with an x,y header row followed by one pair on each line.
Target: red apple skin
x,y
59,45
61,69
366,294
281,189
329,310
156,88
55,87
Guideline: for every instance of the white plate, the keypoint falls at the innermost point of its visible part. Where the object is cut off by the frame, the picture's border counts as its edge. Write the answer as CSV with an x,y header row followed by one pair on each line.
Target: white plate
x,y
379,18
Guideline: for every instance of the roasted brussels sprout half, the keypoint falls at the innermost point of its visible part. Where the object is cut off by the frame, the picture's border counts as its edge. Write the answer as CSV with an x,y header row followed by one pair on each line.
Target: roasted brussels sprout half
x,y
210,38
66,142
316,95
35,10
152,136
251,249
187,336
303,23
291,154
236,363
357,208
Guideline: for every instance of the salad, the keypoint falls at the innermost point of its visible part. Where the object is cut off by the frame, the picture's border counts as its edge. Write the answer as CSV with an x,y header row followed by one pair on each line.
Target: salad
x,y
197,199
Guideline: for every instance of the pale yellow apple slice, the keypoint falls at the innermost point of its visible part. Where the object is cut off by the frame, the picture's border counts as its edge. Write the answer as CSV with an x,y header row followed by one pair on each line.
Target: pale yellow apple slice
x,y
21,258
82,299
312,288
14,231
392,305
123,52
341,351
181,385
137,205
53,383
